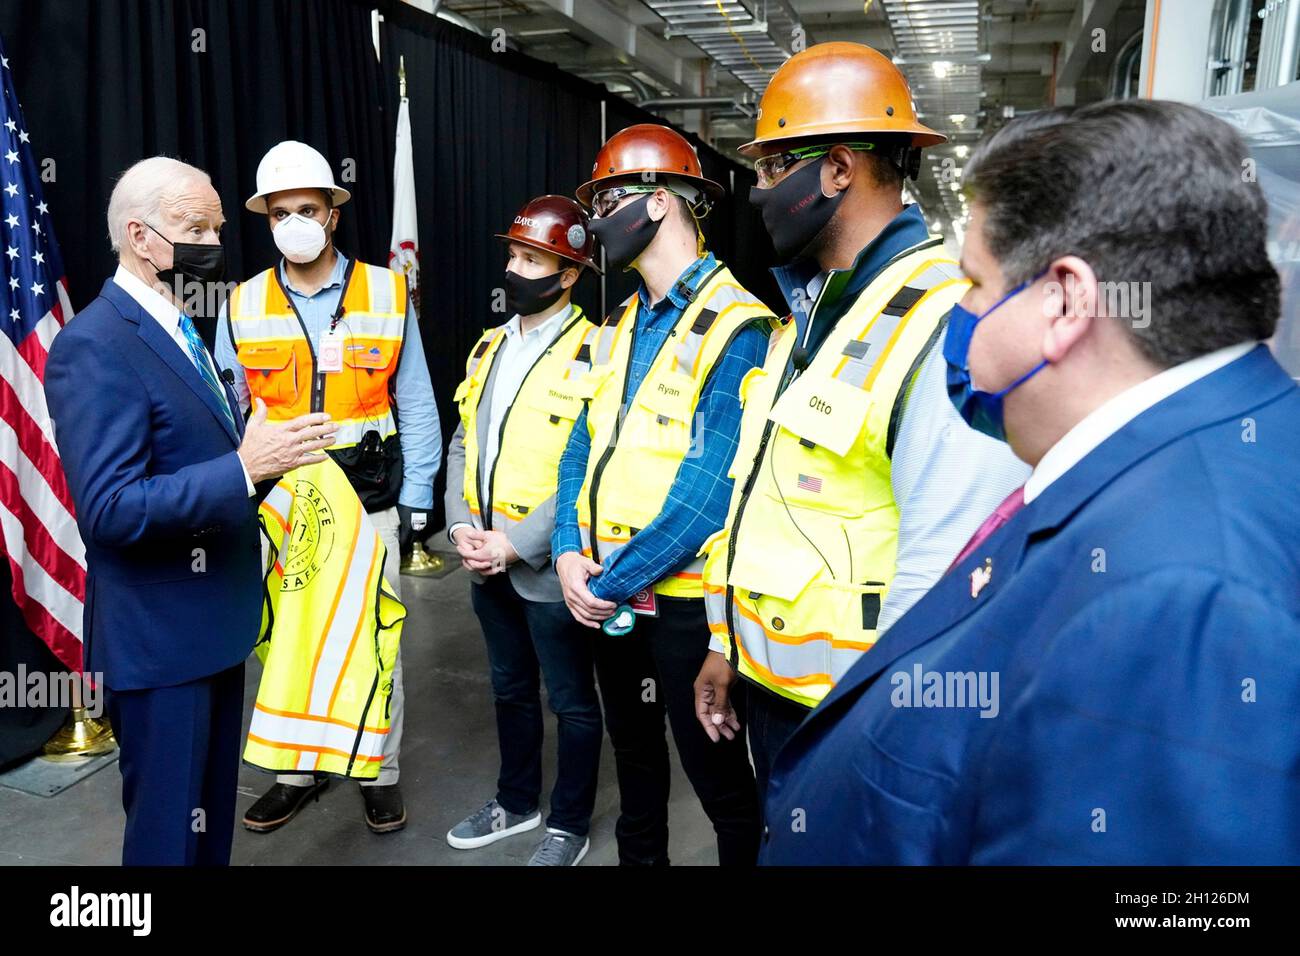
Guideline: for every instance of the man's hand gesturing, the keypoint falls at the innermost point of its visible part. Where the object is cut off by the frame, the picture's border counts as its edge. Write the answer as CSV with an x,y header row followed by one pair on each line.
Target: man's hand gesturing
x,y
270,449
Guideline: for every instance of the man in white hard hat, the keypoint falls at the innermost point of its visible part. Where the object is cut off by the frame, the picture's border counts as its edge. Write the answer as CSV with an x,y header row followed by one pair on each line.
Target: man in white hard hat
x,y
322,332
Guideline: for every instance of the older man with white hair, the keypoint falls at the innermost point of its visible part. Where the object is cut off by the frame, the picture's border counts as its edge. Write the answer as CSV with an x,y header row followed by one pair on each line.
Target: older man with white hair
x,y
164,475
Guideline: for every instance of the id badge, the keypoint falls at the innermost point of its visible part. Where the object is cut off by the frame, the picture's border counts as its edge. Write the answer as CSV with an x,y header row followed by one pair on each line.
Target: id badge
x,y
329,356
644,602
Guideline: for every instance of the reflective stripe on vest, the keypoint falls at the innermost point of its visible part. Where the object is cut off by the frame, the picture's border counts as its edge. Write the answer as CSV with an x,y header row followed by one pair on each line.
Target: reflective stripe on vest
x,y
536,426
638,442
279,360
330,631
800,572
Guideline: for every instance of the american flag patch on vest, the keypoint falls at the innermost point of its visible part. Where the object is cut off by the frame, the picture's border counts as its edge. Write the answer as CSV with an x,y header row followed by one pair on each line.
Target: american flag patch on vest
x,y
809,483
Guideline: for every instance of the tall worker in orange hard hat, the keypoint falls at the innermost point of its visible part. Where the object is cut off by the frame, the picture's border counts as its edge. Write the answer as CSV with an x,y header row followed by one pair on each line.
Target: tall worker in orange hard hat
x,y
644,481
857,483
518,403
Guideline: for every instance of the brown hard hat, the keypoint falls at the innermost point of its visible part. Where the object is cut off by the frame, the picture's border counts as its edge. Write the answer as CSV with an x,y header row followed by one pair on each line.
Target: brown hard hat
x,y
636,152
837,89
554,224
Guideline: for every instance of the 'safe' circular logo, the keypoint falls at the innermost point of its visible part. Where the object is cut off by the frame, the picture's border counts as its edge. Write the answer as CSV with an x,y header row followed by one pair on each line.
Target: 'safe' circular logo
x,y
313,536
577,236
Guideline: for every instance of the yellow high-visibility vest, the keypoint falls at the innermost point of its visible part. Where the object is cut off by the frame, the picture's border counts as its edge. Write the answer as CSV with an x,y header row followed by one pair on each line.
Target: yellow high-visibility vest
x,y
638,442
279,361
535,428
795,581
331,626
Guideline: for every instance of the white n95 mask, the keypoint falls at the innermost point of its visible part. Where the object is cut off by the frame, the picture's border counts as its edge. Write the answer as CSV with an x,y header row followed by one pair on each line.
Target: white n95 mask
x,y
299,238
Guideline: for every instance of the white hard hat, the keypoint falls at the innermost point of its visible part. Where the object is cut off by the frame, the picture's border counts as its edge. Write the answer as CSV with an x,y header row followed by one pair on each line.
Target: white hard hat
x,y
293,165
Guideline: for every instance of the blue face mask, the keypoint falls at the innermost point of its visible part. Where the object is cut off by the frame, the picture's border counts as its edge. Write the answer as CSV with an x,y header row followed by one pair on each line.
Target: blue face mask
x,y
982,411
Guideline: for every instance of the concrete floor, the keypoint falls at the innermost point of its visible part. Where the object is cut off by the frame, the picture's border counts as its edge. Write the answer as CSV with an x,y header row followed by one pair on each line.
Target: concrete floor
x,y
449,767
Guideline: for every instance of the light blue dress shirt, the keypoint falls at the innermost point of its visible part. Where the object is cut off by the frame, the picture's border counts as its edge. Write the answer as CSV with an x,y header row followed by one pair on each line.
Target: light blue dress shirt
x,y
419,431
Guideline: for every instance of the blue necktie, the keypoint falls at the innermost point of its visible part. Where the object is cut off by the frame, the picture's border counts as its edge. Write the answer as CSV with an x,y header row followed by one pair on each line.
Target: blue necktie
x,y
199,356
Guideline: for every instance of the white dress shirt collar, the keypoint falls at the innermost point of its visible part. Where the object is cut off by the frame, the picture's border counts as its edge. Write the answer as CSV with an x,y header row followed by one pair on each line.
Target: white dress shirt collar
x,y
545,329
166,312
1110,417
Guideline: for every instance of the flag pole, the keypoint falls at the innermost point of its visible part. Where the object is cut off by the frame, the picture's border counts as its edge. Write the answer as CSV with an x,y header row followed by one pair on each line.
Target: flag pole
x,y
419,562
81,734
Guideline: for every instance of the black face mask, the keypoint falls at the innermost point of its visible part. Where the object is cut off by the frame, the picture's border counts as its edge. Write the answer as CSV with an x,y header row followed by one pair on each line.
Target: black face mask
x,y
195,267
202,263
532,296
795,210
626,233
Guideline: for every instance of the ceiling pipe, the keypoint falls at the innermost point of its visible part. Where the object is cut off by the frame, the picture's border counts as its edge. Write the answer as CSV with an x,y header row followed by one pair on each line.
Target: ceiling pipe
x,y
697,103
465,23
640,89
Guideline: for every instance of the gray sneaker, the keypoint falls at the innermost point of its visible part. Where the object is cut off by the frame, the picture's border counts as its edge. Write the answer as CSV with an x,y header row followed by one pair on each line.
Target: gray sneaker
x,y
559,849
491,822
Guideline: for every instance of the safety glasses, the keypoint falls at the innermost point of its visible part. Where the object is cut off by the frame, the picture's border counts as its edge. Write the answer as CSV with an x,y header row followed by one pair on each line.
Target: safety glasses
x,y
770,169
603,203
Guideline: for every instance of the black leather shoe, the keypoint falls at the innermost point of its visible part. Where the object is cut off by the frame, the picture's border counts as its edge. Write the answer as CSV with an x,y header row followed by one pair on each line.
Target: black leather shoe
x,y
280,804
385,811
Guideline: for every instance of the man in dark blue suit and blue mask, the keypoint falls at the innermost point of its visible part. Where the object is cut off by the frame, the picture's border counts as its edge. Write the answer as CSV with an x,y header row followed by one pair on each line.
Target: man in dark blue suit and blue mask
x,y
164,476
1110,671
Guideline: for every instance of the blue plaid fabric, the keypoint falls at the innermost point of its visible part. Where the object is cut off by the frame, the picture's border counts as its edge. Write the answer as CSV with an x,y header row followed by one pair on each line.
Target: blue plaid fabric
x,y
697,502
199,356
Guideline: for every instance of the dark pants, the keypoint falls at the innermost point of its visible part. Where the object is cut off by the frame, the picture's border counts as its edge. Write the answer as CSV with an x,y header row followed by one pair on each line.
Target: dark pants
x,y
773,719
522,636
644,675
179,757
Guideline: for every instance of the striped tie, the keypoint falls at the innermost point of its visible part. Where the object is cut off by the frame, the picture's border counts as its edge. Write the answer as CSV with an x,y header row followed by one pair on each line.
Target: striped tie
x,y
199,356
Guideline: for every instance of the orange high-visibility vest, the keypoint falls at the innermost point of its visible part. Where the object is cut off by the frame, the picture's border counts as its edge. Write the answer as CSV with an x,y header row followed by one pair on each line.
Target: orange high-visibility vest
x,y
279,360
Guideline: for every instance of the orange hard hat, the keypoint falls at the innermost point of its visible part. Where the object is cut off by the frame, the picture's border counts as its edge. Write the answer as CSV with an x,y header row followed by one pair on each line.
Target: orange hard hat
x,y
643,152
554,224
837,89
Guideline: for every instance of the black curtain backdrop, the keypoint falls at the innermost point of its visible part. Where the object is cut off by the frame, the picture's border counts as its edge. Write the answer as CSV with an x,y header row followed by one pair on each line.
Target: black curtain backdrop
x,y
489,132
217,82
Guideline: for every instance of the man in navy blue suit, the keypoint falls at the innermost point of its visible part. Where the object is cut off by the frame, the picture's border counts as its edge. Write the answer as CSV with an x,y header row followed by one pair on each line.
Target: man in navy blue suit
x,y
164,477
1113,675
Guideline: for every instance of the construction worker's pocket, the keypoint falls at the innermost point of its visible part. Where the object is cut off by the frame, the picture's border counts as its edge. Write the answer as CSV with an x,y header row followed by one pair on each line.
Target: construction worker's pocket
x,y
663,425
271,371
779,570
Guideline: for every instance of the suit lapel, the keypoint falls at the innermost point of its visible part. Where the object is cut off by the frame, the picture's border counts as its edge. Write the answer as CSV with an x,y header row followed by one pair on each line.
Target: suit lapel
x,y
1230,393
154,336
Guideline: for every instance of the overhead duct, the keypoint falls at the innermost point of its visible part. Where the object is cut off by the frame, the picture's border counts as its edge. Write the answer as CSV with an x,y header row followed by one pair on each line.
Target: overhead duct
x,y
640,89
465,23
699,103
747,38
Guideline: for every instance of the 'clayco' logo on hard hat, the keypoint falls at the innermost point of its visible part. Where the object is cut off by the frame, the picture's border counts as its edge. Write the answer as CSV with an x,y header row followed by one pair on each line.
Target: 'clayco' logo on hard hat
x,y
525,221
313,536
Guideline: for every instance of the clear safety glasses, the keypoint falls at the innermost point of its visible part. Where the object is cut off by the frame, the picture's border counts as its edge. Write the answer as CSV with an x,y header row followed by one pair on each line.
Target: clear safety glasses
x,y
604,202
770,169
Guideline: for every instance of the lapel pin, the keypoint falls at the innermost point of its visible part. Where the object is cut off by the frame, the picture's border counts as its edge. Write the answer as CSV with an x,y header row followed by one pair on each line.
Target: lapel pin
x,y
980,577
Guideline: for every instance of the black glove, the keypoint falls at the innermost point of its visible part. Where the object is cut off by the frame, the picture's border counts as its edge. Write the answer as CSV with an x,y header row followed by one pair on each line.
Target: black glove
x,y
412,523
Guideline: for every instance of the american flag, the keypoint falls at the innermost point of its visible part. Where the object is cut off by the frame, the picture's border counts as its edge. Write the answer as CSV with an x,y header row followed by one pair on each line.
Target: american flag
x,y
39,531
809,483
